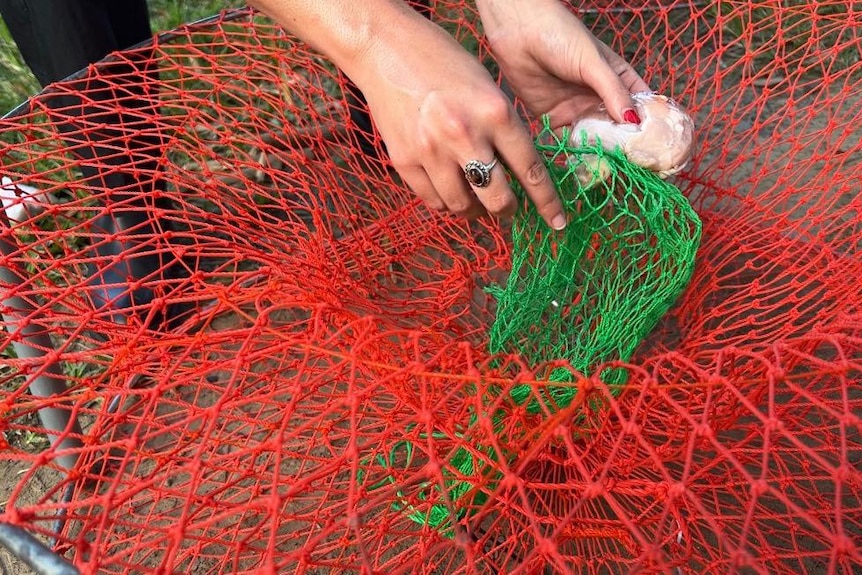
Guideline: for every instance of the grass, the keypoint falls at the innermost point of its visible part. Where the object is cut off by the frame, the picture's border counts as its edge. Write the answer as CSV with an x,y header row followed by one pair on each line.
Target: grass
x,y
17,83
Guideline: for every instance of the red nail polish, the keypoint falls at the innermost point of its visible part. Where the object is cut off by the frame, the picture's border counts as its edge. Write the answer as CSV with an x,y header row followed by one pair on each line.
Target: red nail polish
x,y
631,117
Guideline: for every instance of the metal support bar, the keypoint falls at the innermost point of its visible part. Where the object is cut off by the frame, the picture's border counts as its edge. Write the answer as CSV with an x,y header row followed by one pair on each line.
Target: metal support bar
x,y
33,553
33,343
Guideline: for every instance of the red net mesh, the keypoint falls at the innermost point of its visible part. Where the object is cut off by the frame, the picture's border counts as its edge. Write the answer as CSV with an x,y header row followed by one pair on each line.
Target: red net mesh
x,y
323,368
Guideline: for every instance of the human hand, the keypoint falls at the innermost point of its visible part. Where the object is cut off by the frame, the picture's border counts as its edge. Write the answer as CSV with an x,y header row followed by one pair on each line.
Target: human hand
x,y
437,108
554,64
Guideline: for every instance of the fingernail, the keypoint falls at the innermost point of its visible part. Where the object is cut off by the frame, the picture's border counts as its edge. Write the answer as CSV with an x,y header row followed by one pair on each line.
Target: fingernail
x,y
558,222
631,117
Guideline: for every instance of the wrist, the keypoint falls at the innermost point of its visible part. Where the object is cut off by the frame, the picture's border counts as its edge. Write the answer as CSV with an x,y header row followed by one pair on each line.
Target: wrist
x,y
498,13
345,31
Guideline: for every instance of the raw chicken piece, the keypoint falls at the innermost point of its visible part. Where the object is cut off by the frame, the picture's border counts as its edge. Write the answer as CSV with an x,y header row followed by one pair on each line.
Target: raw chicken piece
x,y
662,143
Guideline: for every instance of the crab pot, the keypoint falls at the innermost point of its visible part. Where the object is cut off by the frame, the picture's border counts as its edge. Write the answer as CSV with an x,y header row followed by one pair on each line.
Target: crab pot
x,y
280,362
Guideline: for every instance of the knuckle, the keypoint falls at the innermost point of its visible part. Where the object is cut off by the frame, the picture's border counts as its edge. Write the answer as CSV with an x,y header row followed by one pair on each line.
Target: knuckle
x,y
497,110
460,206
426,148
399,158
547,207
536,174
400,164
435,104
547,204
435,204
440,116
425,143
454,128
500,205
429,197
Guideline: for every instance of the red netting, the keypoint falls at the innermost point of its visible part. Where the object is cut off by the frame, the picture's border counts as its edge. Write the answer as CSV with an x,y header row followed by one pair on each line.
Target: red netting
x,y
325,371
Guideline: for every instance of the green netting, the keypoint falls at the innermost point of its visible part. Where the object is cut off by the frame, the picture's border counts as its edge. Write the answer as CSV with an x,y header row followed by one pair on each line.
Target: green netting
x,y
587,295
591,293
445,509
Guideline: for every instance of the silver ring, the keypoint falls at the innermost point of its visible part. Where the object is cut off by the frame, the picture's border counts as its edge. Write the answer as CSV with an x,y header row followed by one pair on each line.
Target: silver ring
x,y
479,173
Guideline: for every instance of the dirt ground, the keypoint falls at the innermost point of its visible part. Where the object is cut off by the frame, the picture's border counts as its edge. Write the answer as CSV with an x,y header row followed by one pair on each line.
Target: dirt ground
x,y
34,490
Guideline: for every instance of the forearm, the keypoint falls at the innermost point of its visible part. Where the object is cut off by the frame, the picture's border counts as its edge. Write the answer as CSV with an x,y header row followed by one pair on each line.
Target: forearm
x,y
498,16
343,30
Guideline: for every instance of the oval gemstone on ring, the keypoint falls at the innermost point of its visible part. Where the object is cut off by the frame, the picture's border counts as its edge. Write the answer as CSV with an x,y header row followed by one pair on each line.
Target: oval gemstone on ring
x,y
475,176
477,173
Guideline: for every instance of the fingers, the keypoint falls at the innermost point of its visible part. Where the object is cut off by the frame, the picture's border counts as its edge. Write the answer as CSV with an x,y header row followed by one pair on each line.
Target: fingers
x,y
517,150
417,179
496,196
449,140
500,135
453,190
614,80
632,81
615,95
443,185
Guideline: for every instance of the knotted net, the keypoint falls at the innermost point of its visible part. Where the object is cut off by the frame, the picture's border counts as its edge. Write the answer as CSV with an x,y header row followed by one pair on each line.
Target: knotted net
x,y
315,374
593,292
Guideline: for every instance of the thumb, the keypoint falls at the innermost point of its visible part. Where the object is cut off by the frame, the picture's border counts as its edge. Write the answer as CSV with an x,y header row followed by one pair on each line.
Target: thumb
x,y
611,89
